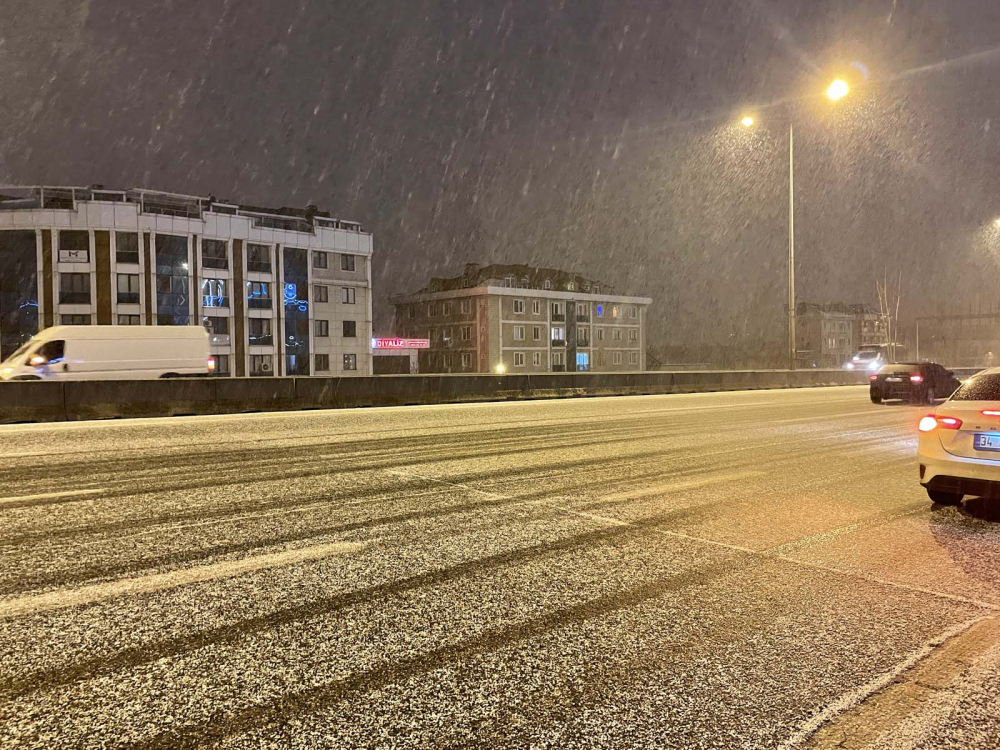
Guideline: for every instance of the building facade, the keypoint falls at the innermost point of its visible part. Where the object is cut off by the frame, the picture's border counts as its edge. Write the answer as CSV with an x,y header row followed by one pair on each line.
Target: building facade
x,y
824,335
517,318
281,291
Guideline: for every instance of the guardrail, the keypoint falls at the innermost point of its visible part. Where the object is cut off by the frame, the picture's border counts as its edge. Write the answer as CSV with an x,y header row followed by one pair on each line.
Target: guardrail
x,y
108,399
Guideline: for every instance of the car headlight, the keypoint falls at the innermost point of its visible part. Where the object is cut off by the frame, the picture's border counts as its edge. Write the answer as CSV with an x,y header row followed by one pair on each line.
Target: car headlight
x,y
6,372
849,366
873,366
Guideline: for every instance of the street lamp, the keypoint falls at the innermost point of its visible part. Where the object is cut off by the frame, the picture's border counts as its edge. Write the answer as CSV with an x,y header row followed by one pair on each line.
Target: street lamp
x,y
836,91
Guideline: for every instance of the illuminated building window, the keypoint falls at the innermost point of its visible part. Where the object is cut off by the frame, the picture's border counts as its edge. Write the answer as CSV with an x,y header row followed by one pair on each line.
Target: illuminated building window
x,y
350,361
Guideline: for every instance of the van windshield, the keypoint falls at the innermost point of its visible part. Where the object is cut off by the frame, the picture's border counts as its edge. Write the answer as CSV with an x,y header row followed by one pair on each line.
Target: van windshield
x,y
24,348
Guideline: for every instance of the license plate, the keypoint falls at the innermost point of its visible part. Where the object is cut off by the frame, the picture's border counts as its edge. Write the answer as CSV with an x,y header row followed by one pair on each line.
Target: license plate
x,y
982,441
893,380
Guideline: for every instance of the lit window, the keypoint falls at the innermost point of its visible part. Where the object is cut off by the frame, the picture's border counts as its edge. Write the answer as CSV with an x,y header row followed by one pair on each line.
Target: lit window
x,y
350,361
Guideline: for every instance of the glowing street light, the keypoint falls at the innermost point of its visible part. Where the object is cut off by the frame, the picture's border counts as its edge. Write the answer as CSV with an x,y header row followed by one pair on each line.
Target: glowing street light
x,y
500,369
837,90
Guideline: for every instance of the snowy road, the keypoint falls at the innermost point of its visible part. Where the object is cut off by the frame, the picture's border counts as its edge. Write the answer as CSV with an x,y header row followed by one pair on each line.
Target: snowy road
x,y
717,570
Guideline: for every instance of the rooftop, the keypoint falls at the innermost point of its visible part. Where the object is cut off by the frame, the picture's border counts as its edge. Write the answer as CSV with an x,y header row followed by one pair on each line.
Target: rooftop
x,y
518,276
14,198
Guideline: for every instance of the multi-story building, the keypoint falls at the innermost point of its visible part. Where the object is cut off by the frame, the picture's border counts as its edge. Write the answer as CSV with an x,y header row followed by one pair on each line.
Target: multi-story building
x,y
869,326
282,291
824,334
516,318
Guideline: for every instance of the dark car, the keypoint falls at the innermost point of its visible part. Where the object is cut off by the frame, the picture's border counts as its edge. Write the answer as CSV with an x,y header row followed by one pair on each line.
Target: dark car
x,y
918,382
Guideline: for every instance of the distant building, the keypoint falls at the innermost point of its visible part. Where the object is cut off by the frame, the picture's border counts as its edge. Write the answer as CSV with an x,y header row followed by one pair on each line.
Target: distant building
x,y
824,334
869,326
282,291
517,318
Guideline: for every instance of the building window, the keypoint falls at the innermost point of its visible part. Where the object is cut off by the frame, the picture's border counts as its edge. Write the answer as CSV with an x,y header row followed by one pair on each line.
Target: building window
x,y
558,359
258,258
536,333
558,333
508,281
129,320
213,254
582,337
74,246
258,295
74,320
446,361
570,286
536,307
557,311
321,259
432,310
261,364
465,332
582,361
518,333
260,332
74,288
633,358
128,288
322,293
518,306
445,335
465,306
547,284
600,334
466,360
518,359
221,364
616,358
616,334
536,359
322,328
214,293
599,310
350,361
633,335
633,312
446,308
350,329
127,247
216,325
322,363
411,312
615,311
347,295
346,262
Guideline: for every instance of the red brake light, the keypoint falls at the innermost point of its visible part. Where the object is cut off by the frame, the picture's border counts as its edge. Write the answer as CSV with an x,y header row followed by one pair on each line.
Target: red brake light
x,y
916,378
991,412
929,422
873,377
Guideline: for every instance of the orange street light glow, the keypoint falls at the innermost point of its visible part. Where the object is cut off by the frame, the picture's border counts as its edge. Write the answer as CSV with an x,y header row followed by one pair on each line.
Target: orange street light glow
x,y
838,90
747,122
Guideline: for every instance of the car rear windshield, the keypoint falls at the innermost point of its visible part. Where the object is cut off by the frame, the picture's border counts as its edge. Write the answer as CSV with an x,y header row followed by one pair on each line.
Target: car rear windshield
x,y
981,388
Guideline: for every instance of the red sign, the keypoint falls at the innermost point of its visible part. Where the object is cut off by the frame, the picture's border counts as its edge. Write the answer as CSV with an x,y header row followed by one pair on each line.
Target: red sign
x,y
401,344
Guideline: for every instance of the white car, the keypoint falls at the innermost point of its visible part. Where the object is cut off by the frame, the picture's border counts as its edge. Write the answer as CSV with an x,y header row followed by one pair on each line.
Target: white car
x,y
959,447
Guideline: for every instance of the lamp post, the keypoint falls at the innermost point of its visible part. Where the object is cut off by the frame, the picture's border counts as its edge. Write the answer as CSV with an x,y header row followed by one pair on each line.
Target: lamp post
x,y
836,91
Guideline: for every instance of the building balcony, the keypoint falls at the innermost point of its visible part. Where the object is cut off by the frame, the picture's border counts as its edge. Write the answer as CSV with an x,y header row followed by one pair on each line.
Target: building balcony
x,y
559,342
558,317
257,266
128,298
583,318
222,263
74,298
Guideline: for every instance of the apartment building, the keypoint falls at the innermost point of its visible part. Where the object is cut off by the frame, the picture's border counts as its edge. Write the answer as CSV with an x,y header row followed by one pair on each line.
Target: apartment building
x,y
517,318
282,291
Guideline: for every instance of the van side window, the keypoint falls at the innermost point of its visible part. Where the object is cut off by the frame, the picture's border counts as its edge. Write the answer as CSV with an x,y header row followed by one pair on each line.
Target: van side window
x,y
53,351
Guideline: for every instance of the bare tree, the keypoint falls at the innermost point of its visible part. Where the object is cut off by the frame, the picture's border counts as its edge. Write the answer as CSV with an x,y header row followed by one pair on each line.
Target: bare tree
x,y
889,293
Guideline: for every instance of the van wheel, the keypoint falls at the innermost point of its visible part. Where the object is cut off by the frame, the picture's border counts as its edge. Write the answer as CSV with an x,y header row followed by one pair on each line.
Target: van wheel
x,y
944,498
170,375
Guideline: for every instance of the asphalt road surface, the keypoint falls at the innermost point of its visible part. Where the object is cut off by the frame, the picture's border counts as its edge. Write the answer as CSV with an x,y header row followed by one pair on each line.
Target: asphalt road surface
x,y
742,570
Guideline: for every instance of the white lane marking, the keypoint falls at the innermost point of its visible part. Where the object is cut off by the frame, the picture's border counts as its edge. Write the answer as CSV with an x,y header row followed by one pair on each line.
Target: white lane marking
x,y
99,592
51,495
854,697
679,485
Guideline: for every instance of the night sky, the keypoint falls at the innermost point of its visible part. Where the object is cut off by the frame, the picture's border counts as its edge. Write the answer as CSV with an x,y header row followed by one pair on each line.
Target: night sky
x,y
597,136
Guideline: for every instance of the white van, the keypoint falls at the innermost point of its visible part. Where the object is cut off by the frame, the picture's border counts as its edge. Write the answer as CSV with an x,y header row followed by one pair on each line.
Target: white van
x,y
111,353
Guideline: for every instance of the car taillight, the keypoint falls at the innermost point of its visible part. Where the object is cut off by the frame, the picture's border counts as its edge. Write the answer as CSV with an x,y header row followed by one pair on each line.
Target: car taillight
x,y
873,377
211,364
929,422
916,378
991,412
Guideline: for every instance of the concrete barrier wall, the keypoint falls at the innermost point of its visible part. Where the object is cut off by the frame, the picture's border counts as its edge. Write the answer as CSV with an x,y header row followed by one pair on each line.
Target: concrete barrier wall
x,y
107,399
